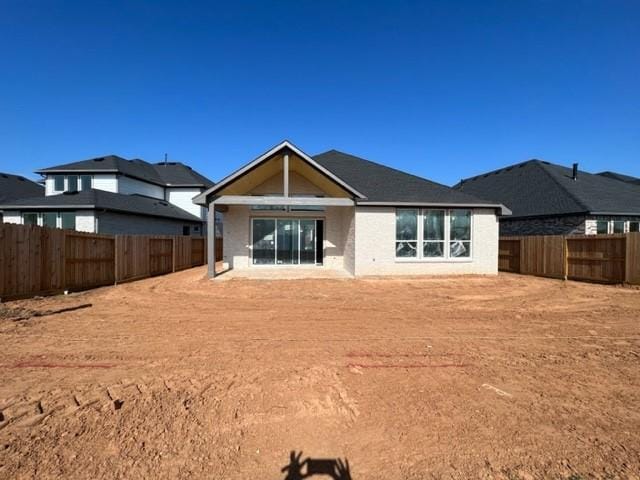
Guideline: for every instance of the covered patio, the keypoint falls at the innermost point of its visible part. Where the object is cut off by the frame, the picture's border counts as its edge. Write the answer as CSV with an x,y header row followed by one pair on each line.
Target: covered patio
x,y
284,216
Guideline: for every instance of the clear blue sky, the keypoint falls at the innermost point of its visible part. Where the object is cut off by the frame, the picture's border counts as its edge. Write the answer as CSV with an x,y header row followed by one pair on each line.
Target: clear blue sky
x,y
442,89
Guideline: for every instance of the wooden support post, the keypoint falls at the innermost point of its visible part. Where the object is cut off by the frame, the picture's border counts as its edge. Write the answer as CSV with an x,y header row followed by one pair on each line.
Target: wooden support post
x,y
285,169
211,240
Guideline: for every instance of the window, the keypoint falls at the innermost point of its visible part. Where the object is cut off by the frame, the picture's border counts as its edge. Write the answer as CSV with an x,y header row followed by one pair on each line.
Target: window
x,y
406,233
49,219
68,220
460,233
441,234
30,218
72,183
58,183
186,230
634,226
433,233
618,226
602,227
85,182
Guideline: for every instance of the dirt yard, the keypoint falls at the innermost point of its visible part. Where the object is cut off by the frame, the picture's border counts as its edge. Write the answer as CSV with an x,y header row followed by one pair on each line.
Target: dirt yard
x,y
180,377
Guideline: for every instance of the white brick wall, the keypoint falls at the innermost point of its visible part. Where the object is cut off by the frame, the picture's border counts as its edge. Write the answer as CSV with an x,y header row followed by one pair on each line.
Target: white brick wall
x,y
375,246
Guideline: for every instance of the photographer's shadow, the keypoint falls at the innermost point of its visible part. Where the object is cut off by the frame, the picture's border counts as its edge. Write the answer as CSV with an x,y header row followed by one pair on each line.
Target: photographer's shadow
x,y
332,467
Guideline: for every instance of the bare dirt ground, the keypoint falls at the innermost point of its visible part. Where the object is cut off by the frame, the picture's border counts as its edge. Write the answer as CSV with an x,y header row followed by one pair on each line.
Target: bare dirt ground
x,y
180,377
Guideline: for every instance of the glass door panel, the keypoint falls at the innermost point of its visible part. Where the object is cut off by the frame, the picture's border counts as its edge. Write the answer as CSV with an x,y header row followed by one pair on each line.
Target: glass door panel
x,y
307,242
264,241
287,242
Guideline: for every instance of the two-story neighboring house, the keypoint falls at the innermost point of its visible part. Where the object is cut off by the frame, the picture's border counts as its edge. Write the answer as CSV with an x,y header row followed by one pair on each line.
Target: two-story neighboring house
x,y
113,195
14,187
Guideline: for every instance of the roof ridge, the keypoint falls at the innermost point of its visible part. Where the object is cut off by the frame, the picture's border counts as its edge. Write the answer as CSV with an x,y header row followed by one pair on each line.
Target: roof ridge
x,y
565,189
502,169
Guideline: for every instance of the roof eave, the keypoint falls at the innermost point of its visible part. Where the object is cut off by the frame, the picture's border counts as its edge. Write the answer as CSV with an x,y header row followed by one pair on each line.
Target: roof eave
x,y
498,206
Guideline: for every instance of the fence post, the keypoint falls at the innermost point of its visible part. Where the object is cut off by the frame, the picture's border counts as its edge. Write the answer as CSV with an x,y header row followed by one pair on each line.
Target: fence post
x,y
173,243
115,259
565,253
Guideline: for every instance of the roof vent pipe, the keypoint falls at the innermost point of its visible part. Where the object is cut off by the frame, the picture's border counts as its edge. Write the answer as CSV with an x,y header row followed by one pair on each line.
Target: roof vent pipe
x,y
575,171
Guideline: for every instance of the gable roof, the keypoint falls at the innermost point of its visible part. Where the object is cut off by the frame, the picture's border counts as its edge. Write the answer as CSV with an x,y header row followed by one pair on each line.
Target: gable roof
x,y
386,185
282,147
539,188
164,174
370,183
620,176
103,200
13,187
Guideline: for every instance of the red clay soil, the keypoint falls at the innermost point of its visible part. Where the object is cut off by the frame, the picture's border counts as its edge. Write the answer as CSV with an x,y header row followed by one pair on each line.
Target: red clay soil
x,y
180,377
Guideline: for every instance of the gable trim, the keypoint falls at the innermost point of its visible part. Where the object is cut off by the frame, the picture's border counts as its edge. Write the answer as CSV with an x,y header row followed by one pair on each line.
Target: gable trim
x,y
202,198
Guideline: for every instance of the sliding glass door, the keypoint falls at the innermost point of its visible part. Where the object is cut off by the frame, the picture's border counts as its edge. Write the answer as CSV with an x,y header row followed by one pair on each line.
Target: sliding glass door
x,y
287,241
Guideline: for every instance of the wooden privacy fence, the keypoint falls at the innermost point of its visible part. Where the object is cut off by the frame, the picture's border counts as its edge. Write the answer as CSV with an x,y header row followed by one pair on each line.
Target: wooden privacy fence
x,y
37,260
594,258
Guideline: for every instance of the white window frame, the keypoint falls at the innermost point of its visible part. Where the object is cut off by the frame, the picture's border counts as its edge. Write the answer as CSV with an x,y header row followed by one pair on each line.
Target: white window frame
x,y
447,258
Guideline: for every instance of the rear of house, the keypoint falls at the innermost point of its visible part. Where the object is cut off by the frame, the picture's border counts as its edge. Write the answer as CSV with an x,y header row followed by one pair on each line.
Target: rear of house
x,y
549,199
335,211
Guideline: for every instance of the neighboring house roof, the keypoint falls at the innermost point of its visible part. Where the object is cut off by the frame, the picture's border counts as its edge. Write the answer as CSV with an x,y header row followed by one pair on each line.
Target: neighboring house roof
x,y
370,183
620,176
165,174
13,187
102,200
538,188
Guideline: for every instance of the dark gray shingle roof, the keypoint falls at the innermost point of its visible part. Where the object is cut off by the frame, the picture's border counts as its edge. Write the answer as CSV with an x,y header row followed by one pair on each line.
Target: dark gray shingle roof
x,y
13,187
538,188
380,183
620,176
102,200
172,173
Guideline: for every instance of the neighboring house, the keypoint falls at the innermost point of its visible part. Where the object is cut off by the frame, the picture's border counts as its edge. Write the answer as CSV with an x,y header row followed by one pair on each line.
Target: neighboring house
x,y
337,211
549,199
113,195
13,187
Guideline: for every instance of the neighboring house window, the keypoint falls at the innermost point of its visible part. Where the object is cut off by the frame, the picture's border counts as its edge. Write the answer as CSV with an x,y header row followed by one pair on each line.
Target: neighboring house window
x,y
68,220
85,182
433,233
460,233
634,226
72,183
30,218
618,226
602,227
49,219
185,230
58,183
406,233
440,233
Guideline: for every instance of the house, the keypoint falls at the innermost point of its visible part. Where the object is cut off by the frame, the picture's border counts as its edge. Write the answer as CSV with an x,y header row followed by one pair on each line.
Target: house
x,y
335,211
549,199
13,187
113,195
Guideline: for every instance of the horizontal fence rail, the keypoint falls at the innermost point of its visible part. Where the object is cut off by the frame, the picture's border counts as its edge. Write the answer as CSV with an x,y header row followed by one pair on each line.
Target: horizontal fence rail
x,y
40,261
592,258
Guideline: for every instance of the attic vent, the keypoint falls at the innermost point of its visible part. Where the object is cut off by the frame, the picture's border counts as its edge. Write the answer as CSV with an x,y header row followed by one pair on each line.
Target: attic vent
x,y
521,165
22,179
4,176
485,175
508,169
98,159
